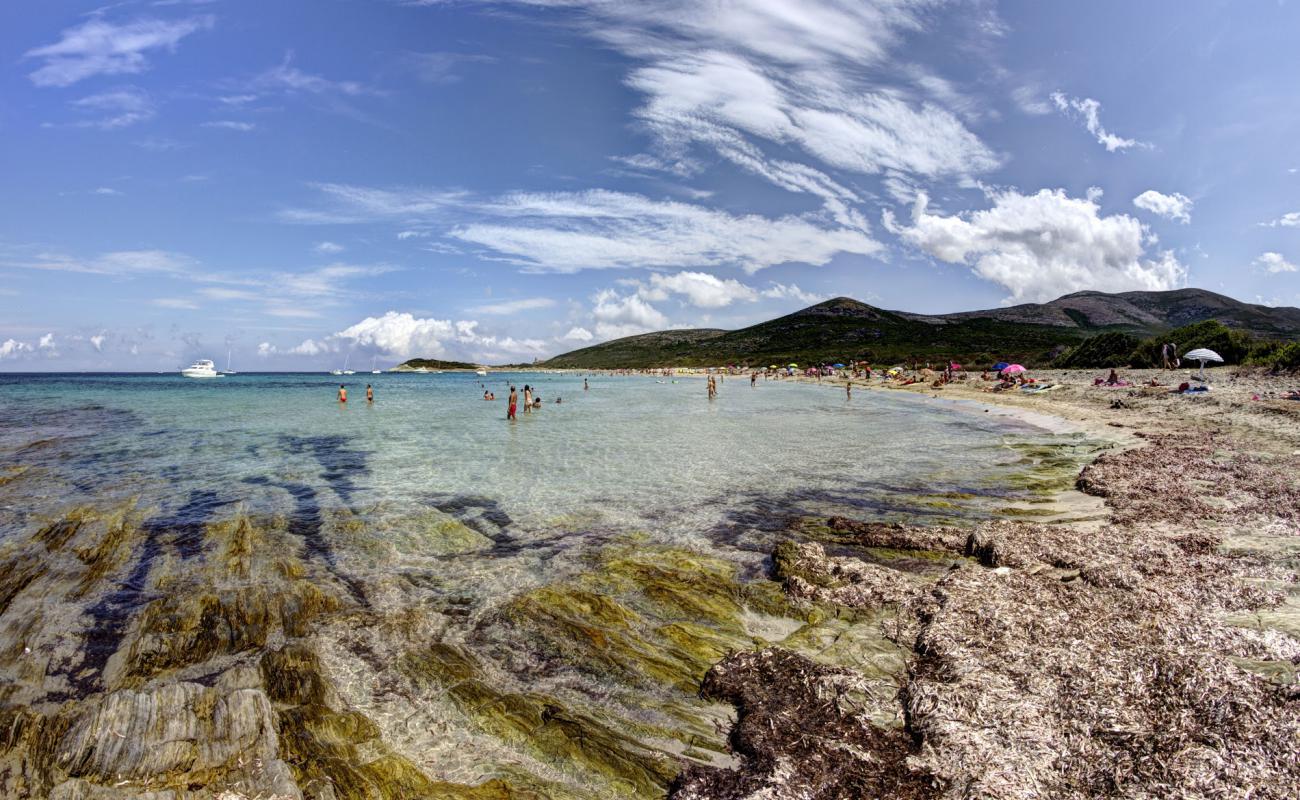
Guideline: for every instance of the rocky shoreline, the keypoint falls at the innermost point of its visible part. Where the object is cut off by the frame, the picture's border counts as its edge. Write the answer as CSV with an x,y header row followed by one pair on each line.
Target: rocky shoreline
x,y
1150,650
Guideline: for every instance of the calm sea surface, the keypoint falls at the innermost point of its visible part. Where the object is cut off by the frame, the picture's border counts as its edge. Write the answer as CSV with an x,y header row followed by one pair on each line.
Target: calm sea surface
x,y
631,453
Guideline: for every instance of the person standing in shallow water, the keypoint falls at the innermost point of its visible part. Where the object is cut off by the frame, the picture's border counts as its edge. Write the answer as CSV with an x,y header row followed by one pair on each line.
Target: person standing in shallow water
x,y
514,401
370,395
528,398
584,384
343,393
848,390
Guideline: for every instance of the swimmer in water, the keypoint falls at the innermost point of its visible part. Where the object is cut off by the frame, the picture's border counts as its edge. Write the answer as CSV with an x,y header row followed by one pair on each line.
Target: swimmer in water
x,y
514,399
343,393
370,395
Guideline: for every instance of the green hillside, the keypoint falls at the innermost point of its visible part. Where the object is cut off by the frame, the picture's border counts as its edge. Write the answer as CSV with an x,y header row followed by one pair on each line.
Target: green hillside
x,y
844,329
431,363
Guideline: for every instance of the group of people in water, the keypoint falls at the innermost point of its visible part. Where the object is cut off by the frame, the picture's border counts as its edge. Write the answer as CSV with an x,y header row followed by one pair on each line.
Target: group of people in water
x,y
343,394
531,399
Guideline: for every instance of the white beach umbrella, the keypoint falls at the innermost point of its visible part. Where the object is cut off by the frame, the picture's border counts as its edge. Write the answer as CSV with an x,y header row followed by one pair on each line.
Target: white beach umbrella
x,y
1202,355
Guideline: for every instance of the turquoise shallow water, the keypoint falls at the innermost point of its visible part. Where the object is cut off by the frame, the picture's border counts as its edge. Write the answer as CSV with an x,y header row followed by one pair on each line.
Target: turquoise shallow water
x,y
630,453
590,560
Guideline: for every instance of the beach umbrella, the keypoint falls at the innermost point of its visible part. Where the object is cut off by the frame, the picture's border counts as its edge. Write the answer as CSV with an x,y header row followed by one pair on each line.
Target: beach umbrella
x,y
793,365
1202,355
1001,365
773,366
838,366
954,365
1012,369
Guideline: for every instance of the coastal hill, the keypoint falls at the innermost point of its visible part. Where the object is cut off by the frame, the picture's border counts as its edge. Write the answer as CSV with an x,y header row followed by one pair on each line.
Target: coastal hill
x,y
843,328
431,363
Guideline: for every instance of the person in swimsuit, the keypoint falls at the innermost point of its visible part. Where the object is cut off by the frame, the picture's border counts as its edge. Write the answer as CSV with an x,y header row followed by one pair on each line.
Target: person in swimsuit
x,y
514,399
343,393
584,384
528,398
370,395
848,390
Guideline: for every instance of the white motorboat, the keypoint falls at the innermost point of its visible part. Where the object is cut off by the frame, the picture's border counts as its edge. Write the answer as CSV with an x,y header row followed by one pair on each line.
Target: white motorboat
x,y
482,373
203,368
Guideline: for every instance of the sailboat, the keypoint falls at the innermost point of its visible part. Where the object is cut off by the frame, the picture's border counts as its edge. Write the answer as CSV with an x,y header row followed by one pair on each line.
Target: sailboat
x,y
345,370
374,371
228,370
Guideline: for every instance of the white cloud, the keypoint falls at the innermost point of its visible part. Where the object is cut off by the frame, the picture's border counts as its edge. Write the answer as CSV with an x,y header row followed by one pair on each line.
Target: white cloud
x,y
266,349
116,108
572,231
699,288
99,47
287,78
175,302
231,125
577,334
11,348
781,291
404,335
1090,111
226,293
105,191
1289,220
1171,206
47,342
404,235
366,204
513,306
1031,100
119,262
97,341
1044,245
328,247
1274,263
618,315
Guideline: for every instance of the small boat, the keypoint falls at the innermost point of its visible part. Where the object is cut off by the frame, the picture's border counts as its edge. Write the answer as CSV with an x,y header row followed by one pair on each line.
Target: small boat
x,y
482,373
421,370
374,371
228,370
203,368
345,370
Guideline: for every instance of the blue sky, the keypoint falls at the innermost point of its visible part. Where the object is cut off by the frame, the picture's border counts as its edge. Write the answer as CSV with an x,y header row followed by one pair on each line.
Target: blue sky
x,y
300,182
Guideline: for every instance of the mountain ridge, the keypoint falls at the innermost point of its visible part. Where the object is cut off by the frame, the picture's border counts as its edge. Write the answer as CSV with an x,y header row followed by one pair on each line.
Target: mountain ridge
x,y
843,328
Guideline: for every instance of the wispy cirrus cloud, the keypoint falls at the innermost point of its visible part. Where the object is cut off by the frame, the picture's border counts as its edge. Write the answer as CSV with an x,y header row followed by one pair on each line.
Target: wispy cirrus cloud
x,y
512,306
100,47
1089,111
231,125
116,108
1290,219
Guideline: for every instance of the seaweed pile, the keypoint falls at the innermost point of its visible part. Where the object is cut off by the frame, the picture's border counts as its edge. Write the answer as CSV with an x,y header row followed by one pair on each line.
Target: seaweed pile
x,y
1059,662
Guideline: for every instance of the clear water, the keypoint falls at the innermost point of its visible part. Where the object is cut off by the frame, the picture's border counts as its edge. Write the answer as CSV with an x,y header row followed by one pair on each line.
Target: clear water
x,y
632,453
366,496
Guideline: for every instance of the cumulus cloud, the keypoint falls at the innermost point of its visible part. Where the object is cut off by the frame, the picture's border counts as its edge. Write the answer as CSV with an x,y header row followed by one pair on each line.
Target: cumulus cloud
x,y
1274,263
1044,245
328,247
699,288
97,341
47,342
1171,206
11,348
100,47
404,335
782,291
1288,220
572,231
624,315
577,334
1089,111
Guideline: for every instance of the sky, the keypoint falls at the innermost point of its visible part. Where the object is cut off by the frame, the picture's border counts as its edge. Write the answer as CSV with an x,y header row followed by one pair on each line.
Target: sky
x,y
296,185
